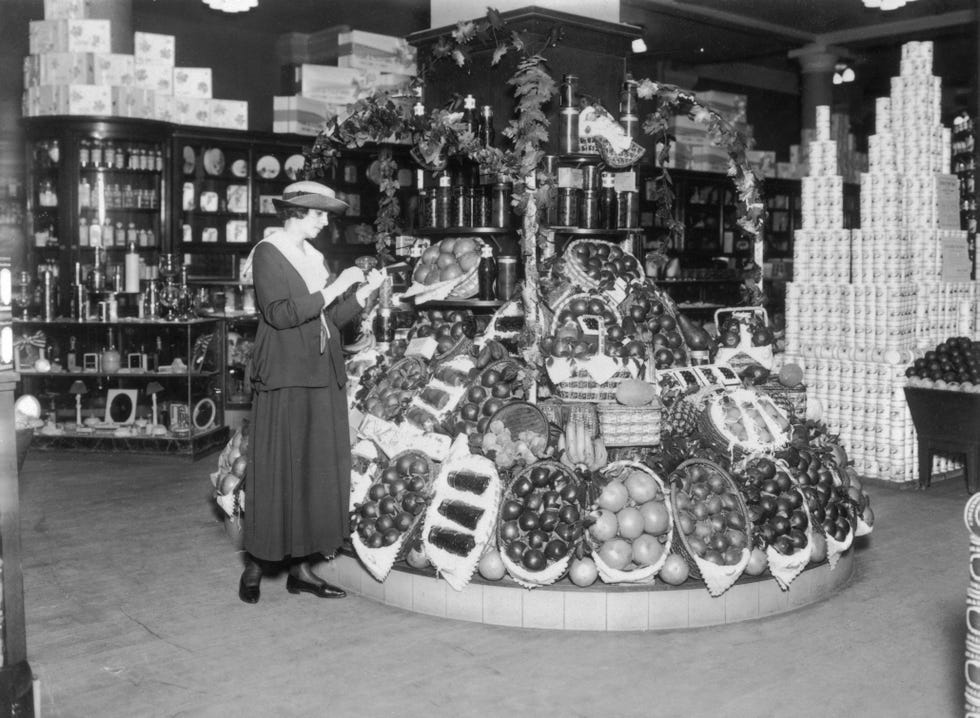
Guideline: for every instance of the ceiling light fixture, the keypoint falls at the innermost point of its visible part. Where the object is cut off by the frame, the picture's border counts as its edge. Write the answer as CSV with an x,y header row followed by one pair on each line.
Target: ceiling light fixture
x,y
232,5
639,45
886,4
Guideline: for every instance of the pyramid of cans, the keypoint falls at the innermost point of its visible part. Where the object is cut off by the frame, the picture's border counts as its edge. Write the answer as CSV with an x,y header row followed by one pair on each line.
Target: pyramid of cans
x,y
866,302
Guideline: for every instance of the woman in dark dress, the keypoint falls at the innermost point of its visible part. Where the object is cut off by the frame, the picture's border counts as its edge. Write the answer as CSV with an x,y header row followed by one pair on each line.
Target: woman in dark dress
x,y
298,481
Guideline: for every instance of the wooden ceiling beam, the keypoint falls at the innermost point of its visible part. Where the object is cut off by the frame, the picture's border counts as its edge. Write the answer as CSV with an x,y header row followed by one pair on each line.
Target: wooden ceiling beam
x,y
712,16
894,28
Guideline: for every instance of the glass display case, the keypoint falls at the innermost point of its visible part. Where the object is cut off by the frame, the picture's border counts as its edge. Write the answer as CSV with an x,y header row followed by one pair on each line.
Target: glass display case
x,y
94,183
145,386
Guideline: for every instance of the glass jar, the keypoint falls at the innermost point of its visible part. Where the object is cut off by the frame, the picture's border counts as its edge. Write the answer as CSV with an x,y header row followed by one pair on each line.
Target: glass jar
x,y
500,209
567,207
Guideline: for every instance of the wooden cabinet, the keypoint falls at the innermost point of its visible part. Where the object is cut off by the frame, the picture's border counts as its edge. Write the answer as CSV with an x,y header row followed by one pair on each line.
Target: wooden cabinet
x,y
94,182
180,363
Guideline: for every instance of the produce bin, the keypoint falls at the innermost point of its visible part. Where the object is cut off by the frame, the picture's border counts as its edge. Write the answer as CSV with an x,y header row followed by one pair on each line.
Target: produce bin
x,y
946,421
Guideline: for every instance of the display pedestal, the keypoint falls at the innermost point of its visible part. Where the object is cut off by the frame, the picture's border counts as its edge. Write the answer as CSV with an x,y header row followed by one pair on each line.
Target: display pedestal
x,y
946,421
600,607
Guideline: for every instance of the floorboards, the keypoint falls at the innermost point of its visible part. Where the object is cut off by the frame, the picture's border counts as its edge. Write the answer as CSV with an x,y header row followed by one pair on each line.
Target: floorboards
x,y
132,611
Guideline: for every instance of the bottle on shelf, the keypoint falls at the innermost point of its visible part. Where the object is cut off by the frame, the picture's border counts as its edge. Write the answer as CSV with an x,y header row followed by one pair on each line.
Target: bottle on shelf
x,y
469,119
84,193
96,277
384,323
628,100
71,357
485,126
78,304
607,201
111,356
486,273
568,115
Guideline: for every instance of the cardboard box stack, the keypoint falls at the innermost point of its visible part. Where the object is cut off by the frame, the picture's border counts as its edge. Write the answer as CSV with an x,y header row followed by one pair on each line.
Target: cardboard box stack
x,y
866,302
329,70
71,70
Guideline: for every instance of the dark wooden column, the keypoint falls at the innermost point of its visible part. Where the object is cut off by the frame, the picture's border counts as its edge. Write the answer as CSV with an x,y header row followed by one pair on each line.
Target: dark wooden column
x,y
16,696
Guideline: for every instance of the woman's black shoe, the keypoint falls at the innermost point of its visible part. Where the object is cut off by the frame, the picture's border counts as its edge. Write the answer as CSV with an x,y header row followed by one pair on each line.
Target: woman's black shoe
x,y
322,589
249,593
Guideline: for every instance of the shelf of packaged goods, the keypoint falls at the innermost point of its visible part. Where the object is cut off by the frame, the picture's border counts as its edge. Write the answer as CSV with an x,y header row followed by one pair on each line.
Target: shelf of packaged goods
x,y
118,171
192,447
190,214
125,374
462,304
122,321
85,211
596,231
452,231
683,280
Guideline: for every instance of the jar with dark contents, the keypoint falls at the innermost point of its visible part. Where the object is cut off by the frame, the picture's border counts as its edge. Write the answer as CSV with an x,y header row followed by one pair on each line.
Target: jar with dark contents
x,y
568,207
628,214
443,204
589,215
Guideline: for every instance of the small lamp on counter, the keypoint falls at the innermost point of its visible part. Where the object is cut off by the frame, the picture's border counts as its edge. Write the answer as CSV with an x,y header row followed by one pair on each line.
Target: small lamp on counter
x,y
154,388
78,388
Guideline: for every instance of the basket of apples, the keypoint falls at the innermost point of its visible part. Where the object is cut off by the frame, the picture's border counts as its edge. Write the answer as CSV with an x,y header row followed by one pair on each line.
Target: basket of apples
x,y
596,264
447,269
586,331
712,524
452,332
540,523
828,500
394,390
650,316
781,522
632,532
746,340
384,522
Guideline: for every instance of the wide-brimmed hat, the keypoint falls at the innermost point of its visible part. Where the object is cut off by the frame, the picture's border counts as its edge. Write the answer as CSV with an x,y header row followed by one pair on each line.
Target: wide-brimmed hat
x,y
311,195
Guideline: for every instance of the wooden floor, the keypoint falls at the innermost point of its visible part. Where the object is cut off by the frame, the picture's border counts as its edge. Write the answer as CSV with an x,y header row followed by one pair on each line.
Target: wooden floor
x,y
130,587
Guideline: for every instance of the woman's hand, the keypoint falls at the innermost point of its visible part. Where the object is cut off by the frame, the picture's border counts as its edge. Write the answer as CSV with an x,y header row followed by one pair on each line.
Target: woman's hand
x,y
373,281
375,278
350,277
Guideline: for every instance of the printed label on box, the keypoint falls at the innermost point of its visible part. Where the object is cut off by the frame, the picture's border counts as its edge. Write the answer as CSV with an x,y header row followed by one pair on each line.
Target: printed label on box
x,y
154,47
192,82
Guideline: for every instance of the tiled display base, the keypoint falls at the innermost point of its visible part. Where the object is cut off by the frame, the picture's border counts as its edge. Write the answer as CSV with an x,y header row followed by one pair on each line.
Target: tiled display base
x,y
597,608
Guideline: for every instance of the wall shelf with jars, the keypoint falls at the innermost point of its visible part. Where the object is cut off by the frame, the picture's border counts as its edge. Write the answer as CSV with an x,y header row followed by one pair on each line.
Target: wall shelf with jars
x,y
92,183
146,386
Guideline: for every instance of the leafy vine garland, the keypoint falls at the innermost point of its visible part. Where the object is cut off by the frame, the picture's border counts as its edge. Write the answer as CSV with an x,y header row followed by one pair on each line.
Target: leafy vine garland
x,y
383,117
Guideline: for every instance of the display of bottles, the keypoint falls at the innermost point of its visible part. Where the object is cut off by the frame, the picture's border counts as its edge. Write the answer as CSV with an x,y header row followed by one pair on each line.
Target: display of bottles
x,y
47,195
108,154
487,274
84,193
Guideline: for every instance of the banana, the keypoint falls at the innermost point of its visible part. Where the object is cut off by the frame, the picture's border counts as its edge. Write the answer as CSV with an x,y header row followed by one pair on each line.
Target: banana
x,y
601,454
571,444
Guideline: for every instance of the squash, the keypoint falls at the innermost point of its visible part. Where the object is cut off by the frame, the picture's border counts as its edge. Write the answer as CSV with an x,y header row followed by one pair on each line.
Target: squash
x,y
635,392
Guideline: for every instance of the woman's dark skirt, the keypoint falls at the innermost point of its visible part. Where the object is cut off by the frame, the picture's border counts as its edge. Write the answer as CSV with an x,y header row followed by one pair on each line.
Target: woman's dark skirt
x,y
298,484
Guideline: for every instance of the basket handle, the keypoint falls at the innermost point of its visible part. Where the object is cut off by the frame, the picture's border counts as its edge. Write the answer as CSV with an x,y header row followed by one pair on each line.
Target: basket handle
x,y
725,311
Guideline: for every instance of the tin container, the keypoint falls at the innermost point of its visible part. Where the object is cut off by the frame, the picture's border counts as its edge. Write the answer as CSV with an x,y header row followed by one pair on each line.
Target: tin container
x,y
568,206
506,276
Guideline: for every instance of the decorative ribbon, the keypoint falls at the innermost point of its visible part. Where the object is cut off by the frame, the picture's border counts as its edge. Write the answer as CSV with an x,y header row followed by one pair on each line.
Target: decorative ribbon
x,y
35,340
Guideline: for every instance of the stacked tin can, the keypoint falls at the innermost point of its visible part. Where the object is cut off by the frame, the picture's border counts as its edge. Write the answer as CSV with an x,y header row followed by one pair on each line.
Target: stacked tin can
x,y
867,302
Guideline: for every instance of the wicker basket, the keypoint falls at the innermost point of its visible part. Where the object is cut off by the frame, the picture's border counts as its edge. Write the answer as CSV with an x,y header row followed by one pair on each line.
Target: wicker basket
x,y
786,568
629,425
641,574
379,561
521,416
790,400
619,160
469,285
717,579
576,272
554,570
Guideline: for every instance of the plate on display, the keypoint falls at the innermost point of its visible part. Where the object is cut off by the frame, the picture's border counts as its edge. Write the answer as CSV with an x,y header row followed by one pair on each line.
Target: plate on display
x,y
294,165
239,168
268,167
210,234
190,160
214,161
237,198
28,406
209,201
236,231
204,414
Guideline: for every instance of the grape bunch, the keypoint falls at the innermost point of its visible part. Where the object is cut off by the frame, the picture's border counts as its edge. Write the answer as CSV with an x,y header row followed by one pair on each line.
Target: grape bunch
x,y
506,451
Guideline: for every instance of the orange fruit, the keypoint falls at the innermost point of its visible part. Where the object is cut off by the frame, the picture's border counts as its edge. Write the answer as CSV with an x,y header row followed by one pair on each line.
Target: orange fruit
x,y
446,259
451,272
468,261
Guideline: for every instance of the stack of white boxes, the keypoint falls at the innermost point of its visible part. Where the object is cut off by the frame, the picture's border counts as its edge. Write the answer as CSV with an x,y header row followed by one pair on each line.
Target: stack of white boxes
x,y
365,63
867,302
71,71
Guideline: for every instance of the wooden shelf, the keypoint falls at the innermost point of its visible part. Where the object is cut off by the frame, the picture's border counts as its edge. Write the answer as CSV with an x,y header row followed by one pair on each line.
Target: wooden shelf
x,y
450,231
